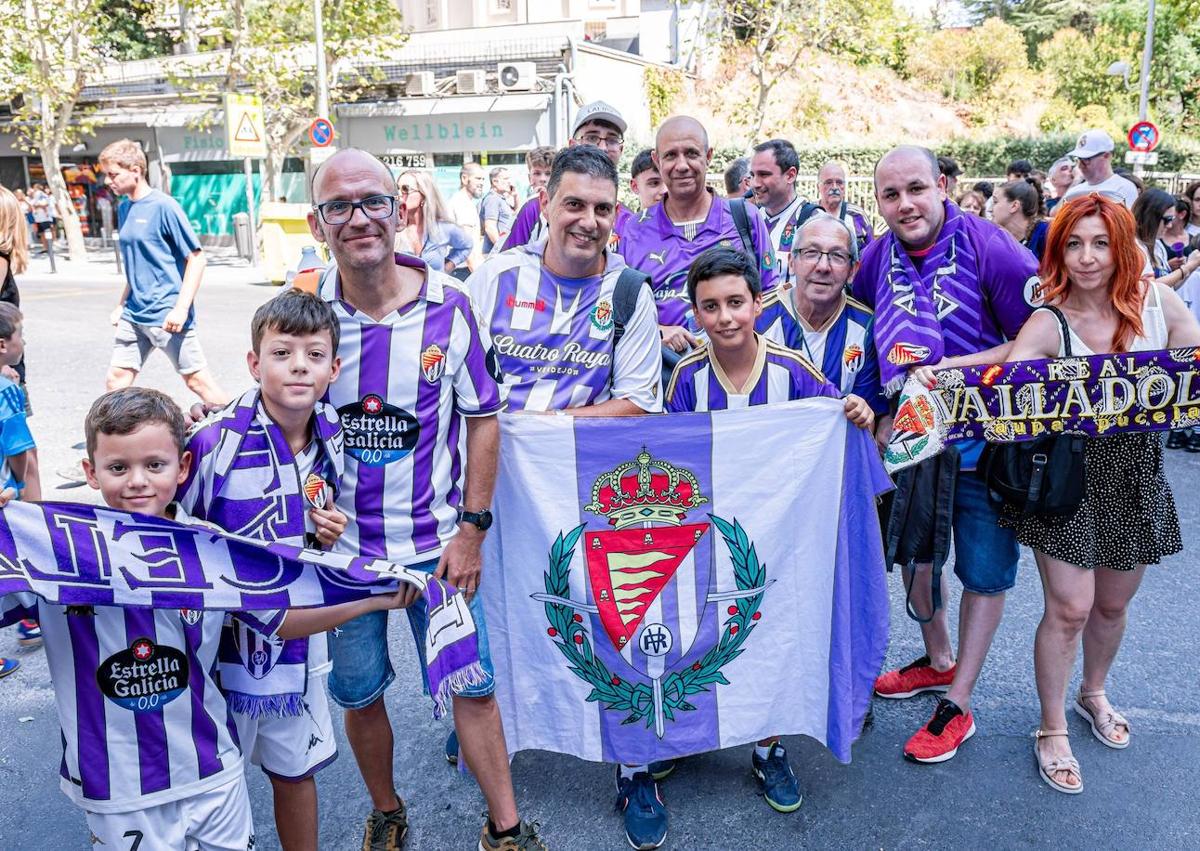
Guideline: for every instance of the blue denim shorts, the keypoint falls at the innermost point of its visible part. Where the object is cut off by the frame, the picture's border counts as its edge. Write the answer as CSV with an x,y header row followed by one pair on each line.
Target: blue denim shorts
x,y
362,669
985,554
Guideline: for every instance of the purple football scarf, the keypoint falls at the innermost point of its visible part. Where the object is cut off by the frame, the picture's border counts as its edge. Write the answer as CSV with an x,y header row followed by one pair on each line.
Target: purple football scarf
x,y
77,555
1097,395
907,328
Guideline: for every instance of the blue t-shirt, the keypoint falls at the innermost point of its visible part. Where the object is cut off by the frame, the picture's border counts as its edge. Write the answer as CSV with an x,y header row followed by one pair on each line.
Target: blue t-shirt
x,y
14,430
495,208
156,240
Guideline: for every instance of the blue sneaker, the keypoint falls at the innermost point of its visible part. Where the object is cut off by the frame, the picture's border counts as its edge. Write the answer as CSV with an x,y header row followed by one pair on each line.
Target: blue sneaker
x,y
7,666
645,812
661,769
29,634
779,784
452,748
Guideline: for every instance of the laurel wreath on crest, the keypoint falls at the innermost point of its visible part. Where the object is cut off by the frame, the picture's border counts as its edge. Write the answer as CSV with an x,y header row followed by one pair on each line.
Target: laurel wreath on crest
x,y
570,635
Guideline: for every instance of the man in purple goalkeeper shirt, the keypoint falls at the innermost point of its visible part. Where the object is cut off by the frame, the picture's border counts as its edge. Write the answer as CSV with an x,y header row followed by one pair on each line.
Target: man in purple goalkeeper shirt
x,y
417,371
598,124
664,240
948,290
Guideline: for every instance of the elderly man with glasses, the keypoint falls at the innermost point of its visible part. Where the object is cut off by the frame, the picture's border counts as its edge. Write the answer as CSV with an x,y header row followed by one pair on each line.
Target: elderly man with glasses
x,y
815,316
598,124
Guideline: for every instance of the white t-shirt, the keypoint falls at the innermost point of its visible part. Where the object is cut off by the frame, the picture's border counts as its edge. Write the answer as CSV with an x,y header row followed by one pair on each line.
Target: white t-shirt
x,y
464,211
1115,187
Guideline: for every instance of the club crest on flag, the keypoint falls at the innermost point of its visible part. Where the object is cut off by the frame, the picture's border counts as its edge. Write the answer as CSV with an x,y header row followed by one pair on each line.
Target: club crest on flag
x,y
433,363
652,593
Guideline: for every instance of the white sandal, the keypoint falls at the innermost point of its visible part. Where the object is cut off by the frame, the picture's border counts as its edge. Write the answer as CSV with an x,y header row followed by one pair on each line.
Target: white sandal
x,y
1103,725
1048,768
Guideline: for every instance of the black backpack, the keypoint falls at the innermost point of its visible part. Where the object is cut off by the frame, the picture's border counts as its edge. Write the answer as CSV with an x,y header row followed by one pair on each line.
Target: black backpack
x,y
1045,476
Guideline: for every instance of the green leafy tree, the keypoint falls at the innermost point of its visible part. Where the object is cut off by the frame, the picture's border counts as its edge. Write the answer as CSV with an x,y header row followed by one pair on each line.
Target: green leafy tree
x,y
48,51
126,30
272,54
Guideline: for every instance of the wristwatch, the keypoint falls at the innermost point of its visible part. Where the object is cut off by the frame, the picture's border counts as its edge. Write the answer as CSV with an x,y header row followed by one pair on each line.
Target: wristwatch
x,y
481,521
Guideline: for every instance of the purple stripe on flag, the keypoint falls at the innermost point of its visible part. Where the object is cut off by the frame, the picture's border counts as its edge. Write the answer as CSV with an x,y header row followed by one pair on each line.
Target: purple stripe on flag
x,y
204,728
89,709
154,757
374,361
177,599
859,624
439,320
599,448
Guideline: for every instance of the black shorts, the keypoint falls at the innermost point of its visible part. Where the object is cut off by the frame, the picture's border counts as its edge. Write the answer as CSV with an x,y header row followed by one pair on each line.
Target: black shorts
x,y
42,227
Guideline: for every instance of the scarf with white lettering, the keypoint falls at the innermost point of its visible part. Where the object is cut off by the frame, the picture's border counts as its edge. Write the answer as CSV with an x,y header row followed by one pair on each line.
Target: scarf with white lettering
x,y
80,555
908,329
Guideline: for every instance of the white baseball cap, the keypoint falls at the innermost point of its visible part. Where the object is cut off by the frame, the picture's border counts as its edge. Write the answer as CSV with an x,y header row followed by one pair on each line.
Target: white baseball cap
x,y
598,110
1091,144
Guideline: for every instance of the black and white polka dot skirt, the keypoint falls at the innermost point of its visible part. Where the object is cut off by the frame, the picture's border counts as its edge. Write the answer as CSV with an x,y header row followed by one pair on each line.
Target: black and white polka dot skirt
x,y
1127,516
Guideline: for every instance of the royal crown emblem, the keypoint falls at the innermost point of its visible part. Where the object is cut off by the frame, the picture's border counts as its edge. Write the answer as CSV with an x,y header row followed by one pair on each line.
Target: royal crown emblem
x,y
645,490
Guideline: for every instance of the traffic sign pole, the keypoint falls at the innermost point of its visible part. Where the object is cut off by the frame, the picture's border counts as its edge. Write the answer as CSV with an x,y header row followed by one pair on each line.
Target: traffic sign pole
x,y
249,170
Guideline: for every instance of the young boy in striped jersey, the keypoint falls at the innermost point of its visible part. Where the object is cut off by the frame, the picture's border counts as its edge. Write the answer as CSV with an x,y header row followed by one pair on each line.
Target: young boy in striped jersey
x,y
149,749
268,466
737,368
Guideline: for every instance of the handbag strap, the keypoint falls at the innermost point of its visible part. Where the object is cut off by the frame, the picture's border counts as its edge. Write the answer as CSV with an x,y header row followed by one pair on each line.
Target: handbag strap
x,y
1062,324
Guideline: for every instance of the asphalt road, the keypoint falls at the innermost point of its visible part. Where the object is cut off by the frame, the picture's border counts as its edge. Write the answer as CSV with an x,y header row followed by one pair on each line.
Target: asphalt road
x,y
988,797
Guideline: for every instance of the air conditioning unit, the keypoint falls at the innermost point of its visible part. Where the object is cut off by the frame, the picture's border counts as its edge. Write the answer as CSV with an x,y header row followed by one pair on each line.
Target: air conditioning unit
x,y
419,84
473,82
517,76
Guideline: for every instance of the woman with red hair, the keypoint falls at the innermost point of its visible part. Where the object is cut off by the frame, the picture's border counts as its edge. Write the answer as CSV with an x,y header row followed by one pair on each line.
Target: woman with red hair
x,y
1092,562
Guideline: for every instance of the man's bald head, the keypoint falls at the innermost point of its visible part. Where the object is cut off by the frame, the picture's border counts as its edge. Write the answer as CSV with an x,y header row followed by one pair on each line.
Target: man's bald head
x,y
349,160
681,125
910,154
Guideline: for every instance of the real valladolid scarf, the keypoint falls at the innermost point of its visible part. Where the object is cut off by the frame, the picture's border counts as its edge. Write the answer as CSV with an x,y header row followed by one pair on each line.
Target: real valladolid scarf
x,y
907,330
76,555
1096,395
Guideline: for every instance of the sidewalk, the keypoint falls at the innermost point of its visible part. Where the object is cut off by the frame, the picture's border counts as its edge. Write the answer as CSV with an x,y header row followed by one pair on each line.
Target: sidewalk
x,y
224,267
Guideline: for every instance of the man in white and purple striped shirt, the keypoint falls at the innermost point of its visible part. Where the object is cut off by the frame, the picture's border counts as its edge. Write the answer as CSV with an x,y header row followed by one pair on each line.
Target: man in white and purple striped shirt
x,y
416,369
554,308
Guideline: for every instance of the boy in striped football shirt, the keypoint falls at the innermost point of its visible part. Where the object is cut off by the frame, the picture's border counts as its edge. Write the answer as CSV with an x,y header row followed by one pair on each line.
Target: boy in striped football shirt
x,y
738,368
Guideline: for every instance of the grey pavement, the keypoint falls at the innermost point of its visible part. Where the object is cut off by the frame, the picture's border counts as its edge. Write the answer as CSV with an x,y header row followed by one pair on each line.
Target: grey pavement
x,y
988,797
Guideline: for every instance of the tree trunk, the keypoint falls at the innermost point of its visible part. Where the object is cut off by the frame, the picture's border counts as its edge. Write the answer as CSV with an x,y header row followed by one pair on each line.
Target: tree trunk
x,y
62,203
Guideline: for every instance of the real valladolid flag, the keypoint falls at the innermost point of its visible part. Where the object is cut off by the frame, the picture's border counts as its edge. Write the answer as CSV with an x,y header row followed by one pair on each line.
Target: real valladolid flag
x,y
664,586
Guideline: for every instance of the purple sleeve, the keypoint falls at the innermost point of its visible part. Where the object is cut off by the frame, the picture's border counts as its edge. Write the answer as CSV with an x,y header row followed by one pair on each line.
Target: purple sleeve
x,y
476,380
523,225
866,279
761,237
808,382
1006,270
190,495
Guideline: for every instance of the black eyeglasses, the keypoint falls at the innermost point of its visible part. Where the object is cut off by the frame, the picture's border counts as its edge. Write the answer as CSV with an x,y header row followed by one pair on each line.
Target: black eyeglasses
x,y
1168,220
340,212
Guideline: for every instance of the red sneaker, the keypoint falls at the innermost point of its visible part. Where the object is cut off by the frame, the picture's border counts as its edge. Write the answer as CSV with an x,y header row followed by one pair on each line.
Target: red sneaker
x,y
939,740
914,678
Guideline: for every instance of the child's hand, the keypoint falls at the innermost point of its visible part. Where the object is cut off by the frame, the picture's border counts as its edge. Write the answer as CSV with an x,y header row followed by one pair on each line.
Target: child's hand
x,y
330,524
402,599
7,495
859,412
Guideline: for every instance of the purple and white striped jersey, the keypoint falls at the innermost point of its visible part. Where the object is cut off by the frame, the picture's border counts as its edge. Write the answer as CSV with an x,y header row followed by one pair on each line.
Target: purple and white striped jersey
x,y
405,385
554,336
143,722
779,375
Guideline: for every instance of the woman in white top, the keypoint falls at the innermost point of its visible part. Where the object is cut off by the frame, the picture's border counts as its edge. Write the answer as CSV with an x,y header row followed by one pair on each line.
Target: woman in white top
x,y
1092,562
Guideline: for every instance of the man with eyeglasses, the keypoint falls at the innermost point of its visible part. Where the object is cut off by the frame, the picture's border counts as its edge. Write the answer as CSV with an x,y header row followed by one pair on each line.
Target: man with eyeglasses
x,y
600,125
816,318
831,195
1093,155
417,372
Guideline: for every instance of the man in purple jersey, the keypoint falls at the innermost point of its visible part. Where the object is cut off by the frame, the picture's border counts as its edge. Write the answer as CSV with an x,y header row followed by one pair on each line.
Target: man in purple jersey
x,y
948,290
664,240
414,366
598,124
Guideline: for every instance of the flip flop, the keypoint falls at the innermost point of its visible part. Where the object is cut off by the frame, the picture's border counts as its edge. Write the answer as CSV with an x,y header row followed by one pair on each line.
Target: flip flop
x,y
1103,725
1048,768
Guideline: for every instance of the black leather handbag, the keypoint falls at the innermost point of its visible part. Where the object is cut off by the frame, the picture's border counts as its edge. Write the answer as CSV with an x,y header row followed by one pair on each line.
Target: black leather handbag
x,y
1043,476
